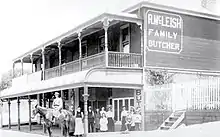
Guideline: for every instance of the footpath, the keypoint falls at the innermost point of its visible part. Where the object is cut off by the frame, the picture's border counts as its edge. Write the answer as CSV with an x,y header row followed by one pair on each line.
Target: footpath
x,y
200,130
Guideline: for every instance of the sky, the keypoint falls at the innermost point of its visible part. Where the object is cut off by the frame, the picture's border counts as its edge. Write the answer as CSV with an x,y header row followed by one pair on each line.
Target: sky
x,y
26,24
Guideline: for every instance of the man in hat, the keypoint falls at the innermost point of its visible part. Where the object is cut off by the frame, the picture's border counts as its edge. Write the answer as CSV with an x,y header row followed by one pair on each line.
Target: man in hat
x,y
57,106
91,118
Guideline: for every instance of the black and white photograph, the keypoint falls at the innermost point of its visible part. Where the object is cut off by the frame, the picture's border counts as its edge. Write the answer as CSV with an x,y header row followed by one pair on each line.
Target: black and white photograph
x,y
109,68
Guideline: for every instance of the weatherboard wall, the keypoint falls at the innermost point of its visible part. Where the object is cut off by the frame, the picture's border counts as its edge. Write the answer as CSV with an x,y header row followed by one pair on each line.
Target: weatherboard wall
x,y
200,45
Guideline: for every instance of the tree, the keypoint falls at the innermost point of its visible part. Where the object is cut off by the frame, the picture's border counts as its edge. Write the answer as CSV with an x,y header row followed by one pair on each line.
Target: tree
x,y
6,79
160,97
159,77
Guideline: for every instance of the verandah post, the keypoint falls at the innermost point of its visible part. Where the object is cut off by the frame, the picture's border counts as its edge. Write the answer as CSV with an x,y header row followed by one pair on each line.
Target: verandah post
x,y
85,95
80,50
106,26
29,105
32,62
60,57
1,112
43,63
13,70
9,114
18,101
44,105
22,67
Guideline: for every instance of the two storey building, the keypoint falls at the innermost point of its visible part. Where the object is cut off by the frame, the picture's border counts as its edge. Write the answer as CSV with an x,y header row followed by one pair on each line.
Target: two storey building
x,y
106,60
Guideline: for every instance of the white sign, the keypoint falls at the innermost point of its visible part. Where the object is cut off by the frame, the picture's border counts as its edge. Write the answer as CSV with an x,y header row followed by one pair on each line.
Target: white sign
x,y
164,32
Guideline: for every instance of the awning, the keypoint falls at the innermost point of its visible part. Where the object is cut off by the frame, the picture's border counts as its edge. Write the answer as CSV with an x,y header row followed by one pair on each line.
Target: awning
x,y
95,77
73,80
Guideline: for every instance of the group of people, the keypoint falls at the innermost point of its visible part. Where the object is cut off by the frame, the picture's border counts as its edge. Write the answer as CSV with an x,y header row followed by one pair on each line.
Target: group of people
x,y
131,120
101,120
97,121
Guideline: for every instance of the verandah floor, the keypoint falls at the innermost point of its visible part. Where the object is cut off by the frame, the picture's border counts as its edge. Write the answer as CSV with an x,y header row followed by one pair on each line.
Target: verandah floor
x,y
200,130
56,131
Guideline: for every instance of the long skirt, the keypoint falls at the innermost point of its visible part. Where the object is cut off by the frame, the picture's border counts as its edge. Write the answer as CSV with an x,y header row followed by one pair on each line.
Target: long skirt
x,y
79,128
111,125
97,123
123,121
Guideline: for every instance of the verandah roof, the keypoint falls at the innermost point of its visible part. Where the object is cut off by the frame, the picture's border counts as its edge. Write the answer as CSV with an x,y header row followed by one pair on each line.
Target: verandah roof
x,y
59,83
133,18
95,77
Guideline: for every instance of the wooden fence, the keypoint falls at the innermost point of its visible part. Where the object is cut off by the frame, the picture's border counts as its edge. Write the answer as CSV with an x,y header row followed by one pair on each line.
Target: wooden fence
x,y
197,94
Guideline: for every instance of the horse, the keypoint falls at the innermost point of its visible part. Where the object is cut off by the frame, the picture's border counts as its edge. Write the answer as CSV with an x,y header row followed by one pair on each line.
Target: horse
x,y
66,119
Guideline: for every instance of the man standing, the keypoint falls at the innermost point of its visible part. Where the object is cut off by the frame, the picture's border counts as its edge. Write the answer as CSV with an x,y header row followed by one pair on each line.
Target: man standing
x,y
91,118
57,106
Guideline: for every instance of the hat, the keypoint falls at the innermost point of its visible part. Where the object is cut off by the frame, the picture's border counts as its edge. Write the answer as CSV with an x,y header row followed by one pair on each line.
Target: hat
x,y
57,93
110,106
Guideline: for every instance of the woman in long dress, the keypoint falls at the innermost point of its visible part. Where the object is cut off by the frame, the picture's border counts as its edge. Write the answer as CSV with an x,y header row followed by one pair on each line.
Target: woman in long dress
x,y
97,120
110,117
79,128
103,123
124,114
132,122
102,111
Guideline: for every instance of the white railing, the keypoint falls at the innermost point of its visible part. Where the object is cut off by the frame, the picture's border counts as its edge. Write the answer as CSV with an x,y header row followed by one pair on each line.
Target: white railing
x,y
94,60
115,59
70,67
198,94
205,94
119,59
34,77
52,72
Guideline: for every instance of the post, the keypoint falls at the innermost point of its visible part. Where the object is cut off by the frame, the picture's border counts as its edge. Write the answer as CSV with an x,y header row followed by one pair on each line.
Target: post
x,y
76,99
9,114
39,103
60,57
144,82
80,51
85,95
105,26
44,104
29,104
18,101
22,67
43,62
13,70
1,113
32,60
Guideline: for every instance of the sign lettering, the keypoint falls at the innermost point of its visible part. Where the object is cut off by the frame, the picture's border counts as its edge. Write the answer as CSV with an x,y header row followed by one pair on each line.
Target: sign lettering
x,y
164,32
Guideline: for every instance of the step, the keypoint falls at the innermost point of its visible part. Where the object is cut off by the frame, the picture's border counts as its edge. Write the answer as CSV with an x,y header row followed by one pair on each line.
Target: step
x,y
169,123
164,128
177,114
173,118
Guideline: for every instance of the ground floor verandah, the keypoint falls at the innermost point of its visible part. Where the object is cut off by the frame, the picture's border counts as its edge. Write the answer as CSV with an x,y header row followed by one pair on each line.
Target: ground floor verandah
x,y
18,117
189,92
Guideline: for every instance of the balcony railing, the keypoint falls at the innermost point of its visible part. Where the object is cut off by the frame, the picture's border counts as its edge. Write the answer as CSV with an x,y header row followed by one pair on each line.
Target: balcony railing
x,y
128,60
70,67
115,59
94,60
52,72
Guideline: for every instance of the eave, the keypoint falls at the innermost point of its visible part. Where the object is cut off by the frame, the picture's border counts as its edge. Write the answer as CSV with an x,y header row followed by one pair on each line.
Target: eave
x,y
171,9
111,16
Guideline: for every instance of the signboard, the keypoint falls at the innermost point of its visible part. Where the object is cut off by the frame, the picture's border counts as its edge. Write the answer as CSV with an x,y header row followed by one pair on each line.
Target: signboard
x,y
164,32
198,39
138,97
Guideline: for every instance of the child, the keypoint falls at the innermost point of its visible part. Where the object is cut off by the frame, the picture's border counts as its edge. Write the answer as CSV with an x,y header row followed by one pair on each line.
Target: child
x,y
129,122
103,123
138,120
